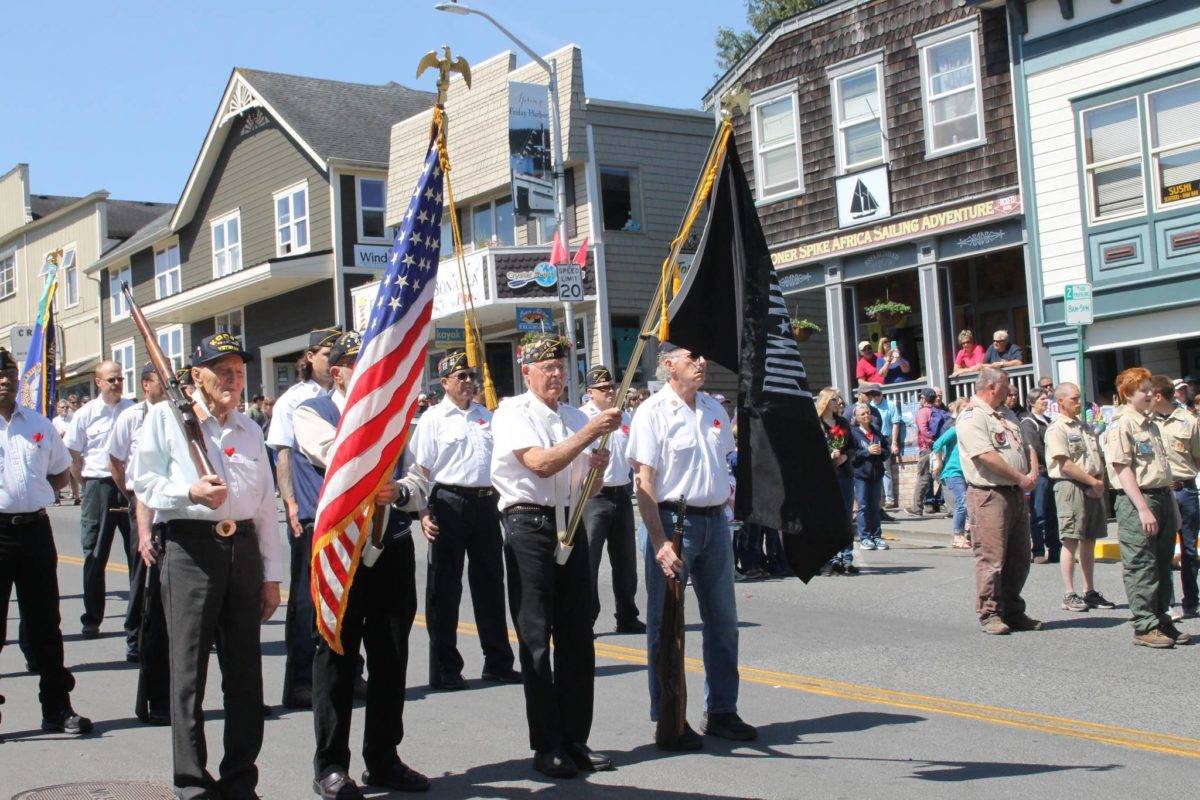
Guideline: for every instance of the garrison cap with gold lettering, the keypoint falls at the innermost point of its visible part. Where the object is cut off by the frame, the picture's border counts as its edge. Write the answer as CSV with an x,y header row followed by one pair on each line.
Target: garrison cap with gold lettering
x,y
345,346
217,346
454,361
544,347
597,376
184,376
7,362
323,337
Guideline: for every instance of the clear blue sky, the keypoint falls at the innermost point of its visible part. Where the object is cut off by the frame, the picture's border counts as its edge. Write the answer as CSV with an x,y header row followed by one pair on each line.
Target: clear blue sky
x,y
119,95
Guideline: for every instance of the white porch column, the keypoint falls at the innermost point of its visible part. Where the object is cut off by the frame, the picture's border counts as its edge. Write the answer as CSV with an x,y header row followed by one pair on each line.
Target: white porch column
x,y
839,354
932,324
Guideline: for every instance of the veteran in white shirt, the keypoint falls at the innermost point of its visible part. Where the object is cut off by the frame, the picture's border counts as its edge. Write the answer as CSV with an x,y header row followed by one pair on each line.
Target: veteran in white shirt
x,y
538,467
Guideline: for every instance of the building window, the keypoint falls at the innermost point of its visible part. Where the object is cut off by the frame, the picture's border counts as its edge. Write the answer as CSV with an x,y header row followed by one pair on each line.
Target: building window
x,y
858,118
372,208
70,278
777,164
227,244
8,275
1175,142
230,322
171,342
119,306
167,277
122,353
291,220
1112,153
953,95
492,223
620,199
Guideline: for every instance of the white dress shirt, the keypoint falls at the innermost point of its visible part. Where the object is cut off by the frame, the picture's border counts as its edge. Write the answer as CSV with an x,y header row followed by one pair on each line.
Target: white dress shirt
x,y
123,441
525,421
165,474
314,437
617,471
30,450
281,433
455,446
687,449
62,424
88,434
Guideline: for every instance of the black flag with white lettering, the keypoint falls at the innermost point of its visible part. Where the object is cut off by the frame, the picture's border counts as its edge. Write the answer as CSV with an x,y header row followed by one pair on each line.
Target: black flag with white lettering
x,y
729,308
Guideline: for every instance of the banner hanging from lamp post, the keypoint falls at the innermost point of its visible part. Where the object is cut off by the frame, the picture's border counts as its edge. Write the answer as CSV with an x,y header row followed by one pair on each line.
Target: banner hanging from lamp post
x,y
529,150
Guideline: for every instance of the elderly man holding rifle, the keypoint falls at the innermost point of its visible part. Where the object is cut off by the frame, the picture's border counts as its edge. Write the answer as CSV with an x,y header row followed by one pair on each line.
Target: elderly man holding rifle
x,y
202,466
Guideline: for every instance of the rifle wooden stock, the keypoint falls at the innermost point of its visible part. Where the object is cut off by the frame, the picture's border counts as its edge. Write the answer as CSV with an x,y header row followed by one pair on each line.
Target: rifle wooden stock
x,y
179,403
672,698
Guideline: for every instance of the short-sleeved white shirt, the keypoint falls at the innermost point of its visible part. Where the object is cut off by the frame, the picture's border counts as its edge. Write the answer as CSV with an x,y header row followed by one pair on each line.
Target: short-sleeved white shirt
x,y
123,441
617,471
89,432
30,450
280,433
454,445
62,424
686,448
525,421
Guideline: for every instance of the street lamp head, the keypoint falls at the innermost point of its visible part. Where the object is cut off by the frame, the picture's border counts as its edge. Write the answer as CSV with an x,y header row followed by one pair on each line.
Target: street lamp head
x,y
452,7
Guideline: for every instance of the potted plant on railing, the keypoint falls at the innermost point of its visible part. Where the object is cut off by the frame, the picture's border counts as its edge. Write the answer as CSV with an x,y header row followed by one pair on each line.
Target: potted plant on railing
x,y
803,329
887,313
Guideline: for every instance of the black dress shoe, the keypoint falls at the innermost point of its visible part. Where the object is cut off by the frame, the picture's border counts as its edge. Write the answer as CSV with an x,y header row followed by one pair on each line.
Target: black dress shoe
x,y
555,763
90,632
448,683
508,675
398,776
300,698
687,741
67,721
587,759
360,690
729,726
337,785
632,626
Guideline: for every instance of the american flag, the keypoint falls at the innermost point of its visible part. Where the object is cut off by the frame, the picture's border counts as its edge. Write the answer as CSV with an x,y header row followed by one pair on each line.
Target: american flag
x,y
380,402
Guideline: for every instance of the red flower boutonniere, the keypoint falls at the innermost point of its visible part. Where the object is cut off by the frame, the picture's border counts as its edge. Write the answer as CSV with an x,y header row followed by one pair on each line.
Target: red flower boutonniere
x,y
37,438
625,429
481,422
229,451
716,423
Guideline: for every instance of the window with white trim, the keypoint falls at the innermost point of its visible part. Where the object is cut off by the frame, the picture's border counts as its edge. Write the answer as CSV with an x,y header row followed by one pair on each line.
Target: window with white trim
x,y
1112,155
492,223
118,305
778,169
291,220
952,91
860,140
122,354
167,277
8,274
230,322
70,278
227,244
372,208
170,340
1175,142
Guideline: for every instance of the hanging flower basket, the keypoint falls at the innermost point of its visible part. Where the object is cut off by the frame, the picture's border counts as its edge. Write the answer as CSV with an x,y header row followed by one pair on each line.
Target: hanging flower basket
x,y
803,329
888,313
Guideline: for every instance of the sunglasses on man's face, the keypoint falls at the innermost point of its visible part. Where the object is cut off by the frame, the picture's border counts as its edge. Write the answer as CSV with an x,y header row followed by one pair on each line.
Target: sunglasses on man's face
x,y
463,377
115,380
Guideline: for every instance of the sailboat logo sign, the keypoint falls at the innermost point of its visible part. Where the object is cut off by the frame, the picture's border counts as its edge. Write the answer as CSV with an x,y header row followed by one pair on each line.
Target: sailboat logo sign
x,y
863,197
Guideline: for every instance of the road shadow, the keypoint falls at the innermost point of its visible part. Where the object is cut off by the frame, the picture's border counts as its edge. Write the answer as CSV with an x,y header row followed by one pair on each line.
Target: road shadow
x,y
78,637
117,664
698,626
866,569
1088,622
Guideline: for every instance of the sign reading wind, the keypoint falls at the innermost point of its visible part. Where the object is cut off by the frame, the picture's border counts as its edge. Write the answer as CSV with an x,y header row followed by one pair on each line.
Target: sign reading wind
x,y
381,400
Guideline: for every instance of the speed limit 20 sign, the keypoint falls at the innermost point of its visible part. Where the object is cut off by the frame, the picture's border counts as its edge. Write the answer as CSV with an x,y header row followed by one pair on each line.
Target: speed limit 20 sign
x,y
570,283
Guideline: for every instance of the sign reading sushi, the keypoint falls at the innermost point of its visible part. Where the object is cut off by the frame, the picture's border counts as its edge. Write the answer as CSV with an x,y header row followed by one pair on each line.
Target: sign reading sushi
x,y
863,197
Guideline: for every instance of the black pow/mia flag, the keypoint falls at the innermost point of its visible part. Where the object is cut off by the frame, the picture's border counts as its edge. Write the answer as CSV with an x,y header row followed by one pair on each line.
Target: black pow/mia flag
x,y
730,308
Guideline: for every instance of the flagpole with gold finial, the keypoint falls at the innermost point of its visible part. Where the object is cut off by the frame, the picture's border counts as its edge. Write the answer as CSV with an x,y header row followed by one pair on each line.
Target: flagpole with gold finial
x,y
656,323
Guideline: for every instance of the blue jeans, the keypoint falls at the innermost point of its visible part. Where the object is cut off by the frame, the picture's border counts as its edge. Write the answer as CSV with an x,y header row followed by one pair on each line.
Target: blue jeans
x,y
1189,509
869,495
958,488
846,485
708,558
1043,519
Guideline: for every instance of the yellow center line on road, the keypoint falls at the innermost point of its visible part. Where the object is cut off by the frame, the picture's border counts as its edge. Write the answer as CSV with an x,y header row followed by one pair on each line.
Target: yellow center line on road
x,y
1119,736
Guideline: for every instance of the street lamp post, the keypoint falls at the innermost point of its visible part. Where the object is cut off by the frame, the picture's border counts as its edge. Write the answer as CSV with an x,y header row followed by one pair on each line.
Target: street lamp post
x,y
556,167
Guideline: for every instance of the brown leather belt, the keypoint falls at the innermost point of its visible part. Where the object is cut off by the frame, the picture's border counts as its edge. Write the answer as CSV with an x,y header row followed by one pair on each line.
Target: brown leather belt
x,y
199,527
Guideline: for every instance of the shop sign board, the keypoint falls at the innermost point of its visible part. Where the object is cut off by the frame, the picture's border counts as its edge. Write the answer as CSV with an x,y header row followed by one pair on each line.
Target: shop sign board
x,y
1077,304
535,318
18,342
450,296
445,338
863,197
371,256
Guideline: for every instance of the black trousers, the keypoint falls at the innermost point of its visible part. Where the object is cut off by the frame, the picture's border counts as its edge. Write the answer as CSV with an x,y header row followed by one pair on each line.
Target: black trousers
x,y
29,561
379,614
608,517
300,626
212,588
97,526
469,526
137,586
549,602
154,665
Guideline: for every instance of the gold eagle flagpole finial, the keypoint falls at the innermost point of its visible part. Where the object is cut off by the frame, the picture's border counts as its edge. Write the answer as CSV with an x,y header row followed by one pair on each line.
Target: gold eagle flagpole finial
x,y
444,65
735,101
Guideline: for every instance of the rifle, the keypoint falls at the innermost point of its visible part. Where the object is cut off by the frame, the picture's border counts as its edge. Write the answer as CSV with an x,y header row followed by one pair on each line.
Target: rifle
x,y
177,400
672,702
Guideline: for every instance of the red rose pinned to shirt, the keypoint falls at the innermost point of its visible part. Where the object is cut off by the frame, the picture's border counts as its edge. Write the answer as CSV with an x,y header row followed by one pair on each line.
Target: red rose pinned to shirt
x,y
625,429
229,452
716,423
37,438
481,422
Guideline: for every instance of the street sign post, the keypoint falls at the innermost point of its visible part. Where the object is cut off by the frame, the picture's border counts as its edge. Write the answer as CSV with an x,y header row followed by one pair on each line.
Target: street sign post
x,y
1078,311
19,338
570,283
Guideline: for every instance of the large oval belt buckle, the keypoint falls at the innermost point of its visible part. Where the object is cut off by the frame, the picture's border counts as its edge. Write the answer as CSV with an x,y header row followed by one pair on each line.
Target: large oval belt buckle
x,y
226,528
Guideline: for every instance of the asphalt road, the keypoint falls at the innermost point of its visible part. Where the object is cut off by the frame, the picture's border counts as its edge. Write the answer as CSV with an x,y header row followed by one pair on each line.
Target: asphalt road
x,y
873,686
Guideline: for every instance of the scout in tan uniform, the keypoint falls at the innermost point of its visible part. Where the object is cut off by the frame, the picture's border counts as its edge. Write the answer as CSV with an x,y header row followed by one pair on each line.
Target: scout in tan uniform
x,y
1181,435
1076,468
996,464
1138,468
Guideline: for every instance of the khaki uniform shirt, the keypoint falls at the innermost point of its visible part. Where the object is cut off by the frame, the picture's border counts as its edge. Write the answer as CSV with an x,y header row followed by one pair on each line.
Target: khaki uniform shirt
x,y
1181,437
982,429
1135,440
1074,440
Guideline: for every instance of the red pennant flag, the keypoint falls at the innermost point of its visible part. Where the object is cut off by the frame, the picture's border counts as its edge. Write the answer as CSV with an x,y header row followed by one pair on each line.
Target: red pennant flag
x,y
581,255
558,252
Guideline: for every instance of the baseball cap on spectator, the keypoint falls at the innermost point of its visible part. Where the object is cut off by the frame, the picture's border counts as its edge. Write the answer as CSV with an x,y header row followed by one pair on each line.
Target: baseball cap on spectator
x,y
863,344
148,370
869,388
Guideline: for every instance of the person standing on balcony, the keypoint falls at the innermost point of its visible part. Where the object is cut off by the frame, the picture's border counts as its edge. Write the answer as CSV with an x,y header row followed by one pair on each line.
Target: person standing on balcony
x,y
996,464
969,355
1181,435
866,371
1003,352
1043,517
892,367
